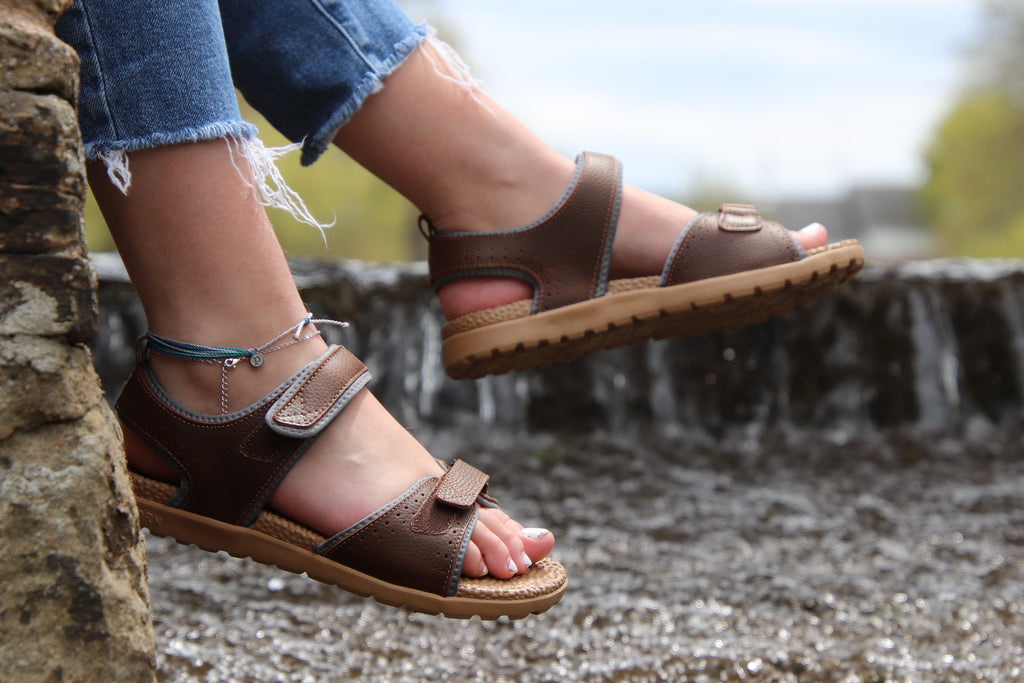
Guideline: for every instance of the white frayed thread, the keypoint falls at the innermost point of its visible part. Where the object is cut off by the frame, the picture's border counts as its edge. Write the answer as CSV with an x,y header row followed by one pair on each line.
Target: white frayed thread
x,y
117,169
457,71
267,183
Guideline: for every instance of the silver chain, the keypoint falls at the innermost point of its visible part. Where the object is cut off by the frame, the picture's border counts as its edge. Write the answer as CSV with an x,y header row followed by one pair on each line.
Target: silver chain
x,y
256,356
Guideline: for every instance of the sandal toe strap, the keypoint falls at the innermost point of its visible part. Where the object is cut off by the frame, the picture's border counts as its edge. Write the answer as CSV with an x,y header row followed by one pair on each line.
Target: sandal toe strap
x,y
461,485
418,540
731,240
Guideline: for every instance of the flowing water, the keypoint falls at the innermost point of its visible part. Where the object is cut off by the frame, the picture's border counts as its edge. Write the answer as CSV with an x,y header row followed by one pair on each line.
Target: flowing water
x,y
837,495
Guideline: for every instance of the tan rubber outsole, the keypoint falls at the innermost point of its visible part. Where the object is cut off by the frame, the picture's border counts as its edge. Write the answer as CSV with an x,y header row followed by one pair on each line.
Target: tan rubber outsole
x,y
631,317
504,598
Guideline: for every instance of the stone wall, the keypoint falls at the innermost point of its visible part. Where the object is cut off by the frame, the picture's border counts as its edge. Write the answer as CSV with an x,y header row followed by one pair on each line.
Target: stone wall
x,y
74,605
930,348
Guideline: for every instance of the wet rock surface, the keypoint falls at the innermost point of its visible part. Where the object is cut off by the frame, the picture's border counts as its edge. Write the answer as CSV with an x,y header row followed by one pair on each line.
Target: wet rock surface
x,y
762,557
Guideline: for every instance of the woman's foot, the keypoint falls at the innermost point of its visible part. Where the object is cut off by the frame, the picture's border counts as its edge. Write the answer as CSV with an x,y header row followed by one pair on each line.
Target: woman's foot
x,y
208,270
647,230
468,164
362,461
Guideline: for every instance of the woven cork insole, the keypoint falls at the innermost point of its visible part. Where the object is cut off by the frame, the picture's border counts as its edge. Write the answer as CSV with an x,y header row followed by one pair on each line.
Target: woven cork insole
x,y
540,586
521,308
634,310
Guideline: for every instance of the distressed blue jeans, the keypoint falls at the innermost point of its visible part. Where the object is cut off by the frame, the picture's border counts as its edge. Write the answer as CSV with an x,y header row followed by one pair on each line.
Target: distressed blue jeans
x,y
161,73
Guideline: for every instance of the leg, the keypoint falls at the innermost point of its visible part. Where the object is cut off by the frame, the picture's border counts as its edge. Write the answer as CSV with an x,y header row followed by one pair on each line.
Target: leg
x,y
208,268
469,165
453,153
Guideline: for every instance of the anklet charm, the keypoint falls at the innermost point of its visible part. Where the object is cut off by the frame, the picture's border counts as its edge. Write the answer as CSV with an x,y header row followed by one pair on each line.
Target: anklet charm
x,y
229,357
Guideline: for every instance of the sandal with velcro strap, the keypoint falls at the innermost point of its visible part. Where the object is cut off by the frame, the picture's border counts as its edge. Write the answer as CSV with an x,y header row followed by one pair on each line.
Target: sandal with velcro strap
x,y
408,553
728,269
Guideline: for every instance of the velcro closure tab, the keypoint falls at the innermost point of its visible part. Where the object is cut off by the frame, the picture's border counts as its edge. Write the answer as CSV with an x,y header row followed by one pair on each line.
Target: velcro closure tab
x,y
461,485
309,405
739,218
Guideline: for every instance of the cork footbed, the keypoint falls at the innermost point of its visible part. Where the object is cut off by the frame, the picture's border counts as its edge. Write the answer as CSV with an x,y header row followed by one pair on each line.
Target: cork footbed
x,y
496,340
278,541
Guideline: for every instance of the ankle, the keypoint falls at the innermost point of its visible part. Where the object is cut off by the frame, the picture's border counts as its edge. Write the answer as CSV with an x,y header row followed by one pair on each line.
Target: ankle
x,y
198,386
504,193
212,380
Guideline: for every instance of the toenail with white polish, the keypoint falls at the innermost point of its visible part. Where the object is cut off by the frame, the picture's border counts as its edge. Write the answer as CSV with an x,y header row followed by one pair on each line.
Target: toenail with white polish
x,y
512,566
527,561
812,226
483,569
533,533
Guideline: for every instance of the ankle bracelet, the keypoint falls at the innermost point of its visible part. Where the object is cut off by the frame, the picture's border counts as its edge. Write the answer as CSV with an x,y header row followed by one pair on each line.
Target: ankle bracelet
x,y
228,357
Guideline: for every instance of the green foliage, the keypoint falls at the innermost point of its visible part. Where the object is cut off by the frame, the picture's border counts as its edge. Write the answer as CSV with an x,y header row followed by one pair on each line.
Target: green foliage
x,y
371,221
97,236
974,198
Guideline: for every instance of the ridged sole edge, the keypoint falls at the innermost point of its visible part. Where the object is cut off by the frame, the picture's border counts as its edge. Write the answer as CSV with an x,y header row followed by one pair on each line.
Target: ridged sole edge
x,y
714,305
211,535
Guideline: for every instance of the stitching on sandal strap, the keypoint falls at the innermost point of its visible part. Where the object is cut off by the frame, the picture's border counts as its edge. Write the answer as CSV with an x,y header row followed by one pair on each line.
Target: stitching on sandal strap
x,y
739,218
415,541
563,265
310,405
732,240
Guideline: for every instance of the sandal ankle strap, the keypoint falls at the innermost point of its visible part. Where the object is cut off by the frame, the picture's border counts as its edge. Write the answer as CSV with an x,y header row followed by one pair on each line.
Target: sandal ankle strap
x,y
310,404
255,447
564,265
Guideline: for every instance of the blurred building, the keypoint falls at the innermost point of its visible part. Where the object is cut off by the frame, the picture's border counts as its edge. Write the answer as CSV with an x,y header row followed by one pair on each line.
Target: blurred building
x,y
884,218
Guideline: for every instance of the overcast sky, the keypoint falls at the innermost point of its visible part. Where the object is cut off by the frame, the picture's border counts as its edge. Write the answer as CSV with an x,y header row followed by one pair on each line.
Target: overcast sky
x,y
773,98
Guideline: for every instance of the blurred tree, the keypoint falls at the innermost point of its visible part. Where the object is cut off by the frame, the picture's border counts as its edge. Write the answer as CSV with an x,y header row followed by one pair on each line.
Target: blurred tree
x,y
973,197
371,221
1000,55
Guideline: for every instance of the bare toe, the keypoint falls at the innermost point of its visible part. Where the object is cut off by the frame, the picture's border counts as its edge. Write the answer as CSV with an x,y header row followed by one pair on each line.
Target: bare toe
x,y
473,565
495,553
537,542
811,237
501,546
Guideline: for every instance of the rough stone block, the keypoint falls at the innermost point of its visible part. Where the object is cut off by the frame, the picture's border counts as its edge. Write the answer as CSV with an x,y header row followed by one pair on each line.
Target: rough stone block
x,y
43,191
75,605
48,295
33,58
45,381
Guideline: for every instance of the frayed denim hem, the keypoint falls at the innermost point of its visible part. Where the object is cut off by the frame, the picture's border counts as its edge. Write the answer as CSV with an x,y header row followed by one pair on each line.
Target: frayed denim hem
x,y
260,172
209,131
268,185
317,144
114,153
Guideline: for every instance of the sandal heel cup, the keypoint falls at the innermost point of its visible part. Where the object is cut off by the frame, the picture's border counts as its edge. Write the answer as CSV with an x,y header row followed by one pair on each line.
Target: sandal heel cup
x,y
728,269
422,572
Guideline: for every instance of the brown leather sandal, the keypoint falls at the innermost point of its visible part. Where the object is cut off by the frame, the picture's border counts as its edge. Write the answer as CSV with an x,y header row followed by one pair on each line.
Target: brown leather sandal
x,y
727,269
408,553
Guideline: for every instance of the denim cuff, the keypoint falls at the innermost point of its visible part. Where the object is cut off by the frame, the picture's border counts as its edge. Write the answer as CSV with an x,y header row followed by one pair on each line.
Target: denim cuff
x,y
316,144
212,131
